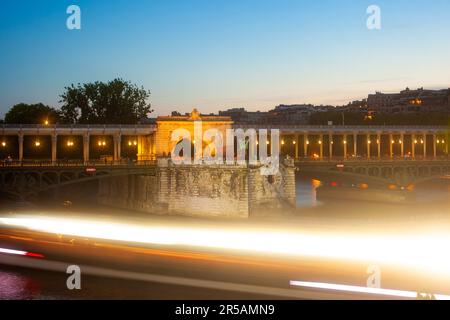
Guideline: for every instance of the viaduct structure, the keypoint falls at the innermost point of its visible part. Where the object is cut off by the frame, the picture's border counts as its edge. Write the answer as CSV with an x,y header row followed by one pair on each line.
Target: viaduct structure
x,y
130,161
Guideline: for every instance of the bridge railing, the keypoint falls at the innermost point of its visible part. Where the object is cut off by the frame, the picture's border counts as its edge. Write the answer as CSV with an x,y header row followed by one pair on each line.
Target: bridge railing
x,y
75,163
76,126
372,159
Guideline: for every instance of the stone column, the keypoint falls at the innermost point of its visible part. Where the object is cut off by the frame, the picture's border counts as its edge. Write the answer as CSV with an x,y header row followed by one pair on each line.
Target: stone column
x,y
117,147
355,144
446,144
413,145
330,145
345,146
321,146
86,147
434,146
54,147
402,145
20,147
305,145
424,145
296,146
391,145
368,142
379,145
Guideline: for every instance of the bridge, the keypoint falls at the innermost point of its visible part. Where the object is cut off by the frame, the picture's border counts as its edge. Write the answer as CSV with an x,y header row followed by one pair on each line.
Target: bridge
x,y
25,179
397,173
146,142
41,157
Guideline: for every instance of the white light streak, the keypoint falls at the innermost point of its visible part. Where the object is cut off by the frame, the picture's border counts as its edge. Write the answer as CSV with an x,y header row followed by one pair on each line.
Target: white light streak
x,y
422,252
365,290
10,251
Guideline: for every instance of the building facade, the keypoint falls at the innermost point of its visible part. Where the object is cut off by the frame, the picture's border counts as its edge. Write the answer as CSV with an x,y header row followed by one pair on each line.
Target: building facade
x,y
408,101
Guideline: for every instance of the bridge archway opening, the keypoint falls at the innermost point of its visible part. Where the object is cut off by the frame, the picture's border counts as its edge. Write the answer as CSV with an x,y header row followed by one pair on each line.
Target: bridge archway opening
x,y
37,147
101,147
70,148
129,147
9,146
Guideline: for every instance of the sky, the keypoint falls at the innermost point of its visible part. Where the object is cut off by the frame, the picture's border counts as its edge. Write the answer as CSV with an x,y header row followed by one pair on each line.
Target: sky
x,y
220,54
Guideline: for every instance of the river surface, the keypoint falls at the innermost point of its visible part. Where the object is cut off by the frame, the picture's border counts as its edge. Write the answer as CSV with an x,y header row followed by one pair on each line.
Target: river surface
x,y
431,206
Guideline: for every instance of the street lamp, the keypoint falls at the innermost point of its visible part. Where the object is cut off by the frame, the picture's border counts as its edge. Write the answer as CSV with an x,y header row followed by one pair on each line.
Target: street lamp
x,y
70,143
46,122
3,144
37,143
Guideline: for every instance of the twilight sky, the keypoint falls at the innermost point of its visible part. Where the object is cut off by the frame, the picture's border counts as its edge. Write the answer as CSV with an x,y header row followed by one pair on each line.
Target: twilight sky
x,y
218,54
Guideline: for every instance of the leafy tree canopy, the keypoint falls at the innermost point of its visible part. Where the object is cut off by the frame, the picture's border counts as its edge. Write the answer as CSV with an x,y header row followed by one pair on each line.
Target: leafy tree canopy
x,y
114,102
39,113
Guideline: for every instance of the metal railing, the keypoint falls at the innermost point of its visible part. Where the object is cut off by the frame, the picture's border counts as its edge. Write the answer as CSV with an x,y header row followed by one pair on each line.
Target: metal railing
x,y
77,163
374,159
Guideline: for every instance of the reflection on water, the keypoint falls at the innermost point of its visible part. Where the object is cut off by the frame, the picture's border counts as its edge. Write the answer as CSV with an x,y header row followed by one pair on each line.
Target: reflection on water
x,y
307,193
17,286
351,200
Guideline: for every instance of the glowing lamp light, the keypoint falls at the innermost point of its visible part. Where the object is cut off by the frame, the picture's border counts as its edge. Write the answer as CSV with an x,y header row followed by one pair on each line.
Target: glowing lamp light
x,y
37,143
307,142
345,141
294,142
46,122
3,144
267,142
282,142
320,141
70,143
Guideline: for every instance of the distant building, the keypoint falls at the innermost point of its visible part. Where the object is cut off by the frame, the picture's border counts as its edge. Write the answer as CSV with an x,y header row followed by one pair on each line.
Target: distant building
x,y
408,101
282,114
355,106
240,115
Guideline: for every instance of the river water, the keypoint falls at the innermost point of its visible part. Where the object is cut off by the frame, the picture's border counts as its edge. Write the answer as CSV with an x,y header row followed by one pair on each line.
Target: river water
x,y
431,206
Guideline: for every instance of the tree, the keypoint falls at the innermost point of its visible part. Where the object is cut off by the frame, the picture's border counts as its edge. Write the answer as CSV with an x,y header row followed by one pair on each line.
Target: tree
x,y
115,102
39,113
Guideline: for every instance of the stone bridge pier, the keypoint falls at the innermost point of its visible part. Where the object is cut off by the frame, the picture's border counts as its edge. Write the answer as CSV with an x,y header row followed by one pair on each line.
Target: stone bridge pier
x,y
228,191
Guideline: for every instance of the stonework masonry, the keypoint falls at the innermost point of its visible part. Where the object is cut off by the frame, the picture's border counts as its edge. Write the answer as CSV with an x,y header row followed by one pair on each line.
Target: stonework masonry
x,y
227,191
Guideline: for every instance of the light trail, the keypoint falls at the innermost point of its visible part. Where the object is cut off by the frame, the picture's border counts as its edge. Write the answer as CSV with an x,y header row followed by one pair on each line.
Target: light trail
x,y
422,252
366,290
21,253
